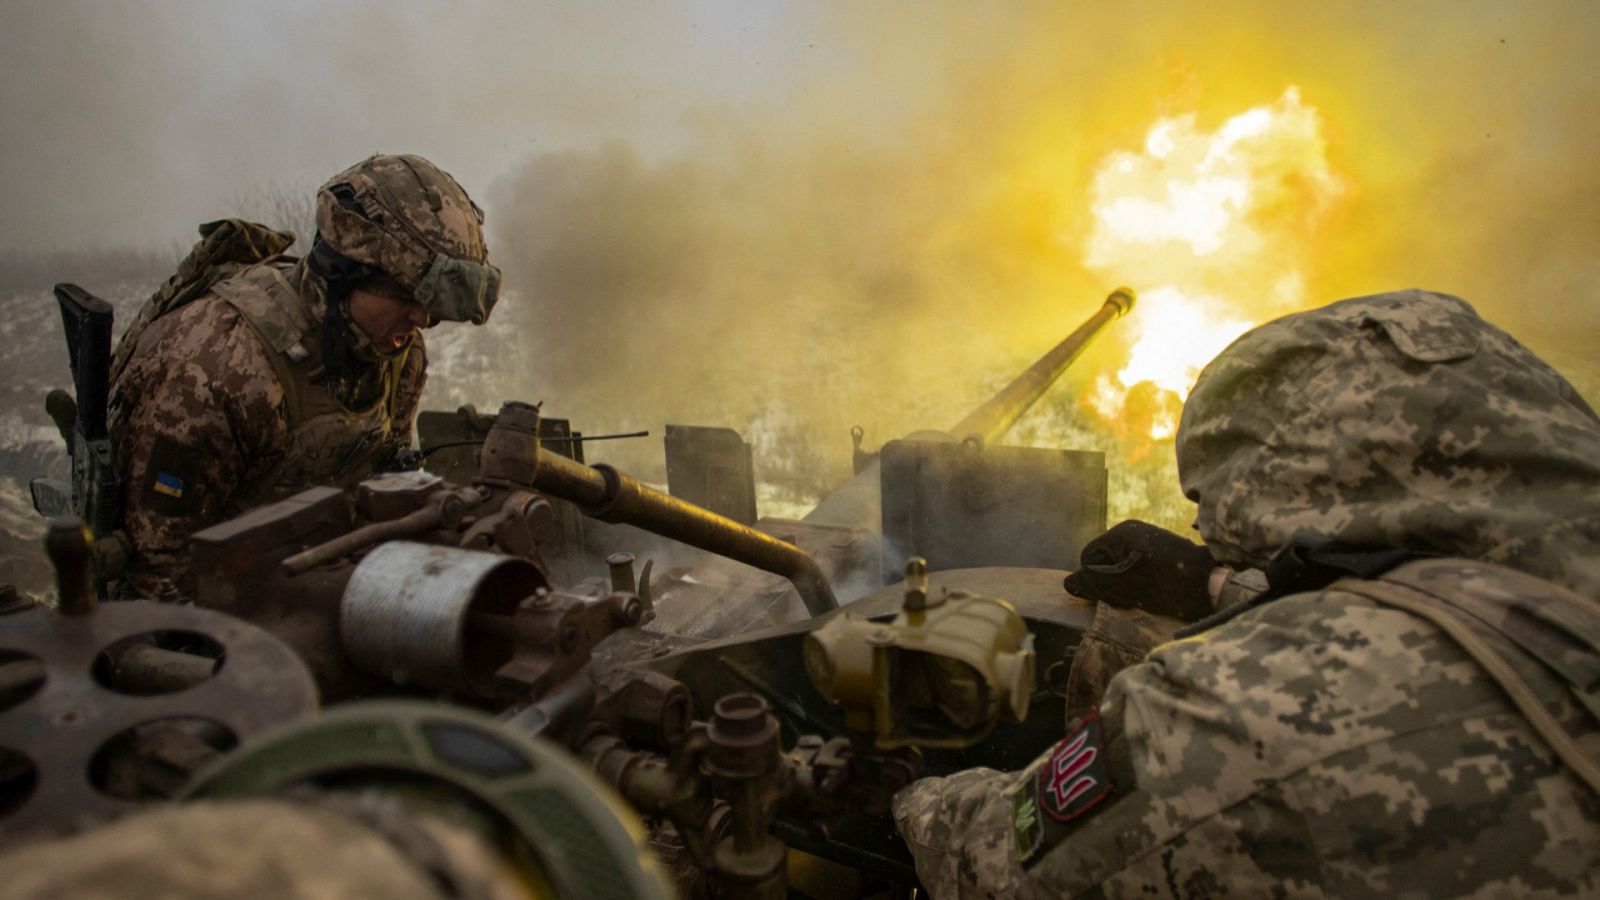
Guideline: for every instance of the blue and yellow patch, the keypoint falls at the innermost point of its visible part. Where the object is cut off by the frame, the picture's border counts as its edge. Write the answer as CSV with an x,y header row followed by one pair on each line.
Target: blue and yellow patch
x,y
172,478
170,485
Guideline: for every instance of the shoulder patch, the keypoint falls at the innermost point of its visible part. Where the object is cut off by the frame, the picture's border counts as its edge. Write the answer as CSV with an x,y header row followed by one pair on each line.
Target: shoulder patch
x,y
1069,780
1075,777
170,476
1026,828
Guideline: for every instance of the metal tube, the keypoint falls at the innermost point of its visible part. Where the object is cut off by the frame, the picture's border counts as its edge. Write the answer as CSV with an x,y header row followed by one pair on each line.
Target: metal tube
x,y
148,669
559,710
572,481
621,567
610,496
642,778
994,418
444,509
67,544
405,613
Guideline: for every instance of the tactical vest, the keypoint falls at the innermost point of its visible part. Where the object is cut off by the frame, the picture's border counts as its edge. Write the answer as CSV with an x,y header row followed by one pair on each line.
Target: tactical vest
x,y
328,443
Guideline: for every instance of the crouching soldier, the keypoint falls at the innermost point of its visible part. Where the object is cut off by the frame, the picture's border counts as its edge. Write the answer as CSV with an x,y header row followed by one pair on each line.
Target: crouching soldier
x,y
252,375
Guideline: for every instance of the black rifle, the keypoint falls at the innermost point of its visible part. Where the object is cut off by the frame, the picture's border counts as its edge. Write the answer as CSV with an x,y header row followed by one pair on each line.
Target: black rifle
x,y
96,488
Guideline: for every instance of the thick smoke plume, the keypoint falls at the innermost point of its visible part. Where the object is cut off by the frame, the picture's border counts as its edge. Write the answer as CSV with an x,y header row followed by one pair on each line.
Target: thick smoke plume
x,y
785,293
843,262
791,219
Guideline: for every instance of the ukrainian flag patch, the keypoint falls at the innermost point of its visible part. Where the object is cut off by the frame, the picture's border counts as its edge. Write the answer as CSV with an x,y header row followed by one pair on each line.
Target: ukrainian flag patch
x,y
170,485
172,478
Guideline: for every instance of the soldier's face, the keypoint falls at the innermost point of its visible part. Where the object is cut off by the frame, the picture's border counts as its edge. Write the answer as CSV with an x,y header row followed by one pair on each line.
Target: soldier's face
x,y
386,321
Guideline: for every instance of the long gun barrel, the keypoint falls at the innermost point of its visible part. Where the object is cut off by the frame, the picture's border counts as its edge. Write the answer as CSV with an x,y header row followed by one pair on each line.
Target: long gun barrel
x,y
856,503
993,419
610,496
512,459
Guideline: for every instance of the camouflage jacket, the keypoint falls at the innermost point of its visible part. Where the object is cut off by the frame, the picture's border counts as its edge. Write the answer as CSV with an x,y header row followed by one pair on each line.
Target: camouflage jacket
x,y
1325,743
251,849
1318,745
225,405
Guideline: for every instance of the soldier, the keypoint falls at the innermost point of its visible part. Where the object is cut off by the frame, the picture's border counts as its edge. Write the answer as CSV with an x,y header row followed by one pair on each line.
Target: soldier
x,y
1411,708
289,372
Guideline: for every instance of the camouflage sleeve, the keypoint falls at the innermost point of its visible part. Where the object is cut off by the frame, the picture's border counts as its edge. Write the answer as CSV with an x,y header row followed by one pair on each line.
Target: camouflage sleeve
x,y
958,829
1116,639
979,833
250,848
198,412
1301,748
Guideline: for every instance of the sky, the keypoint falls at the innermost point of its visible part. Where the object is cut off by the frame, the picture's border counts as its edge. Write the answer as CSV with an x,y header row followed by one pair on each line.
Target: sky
x,y
124,119
789,213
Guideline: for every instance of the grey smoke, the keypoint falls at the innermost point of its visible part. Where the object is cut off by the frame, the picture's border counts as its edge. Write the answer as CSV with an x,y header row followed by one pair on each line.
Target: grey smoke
x,y
795,217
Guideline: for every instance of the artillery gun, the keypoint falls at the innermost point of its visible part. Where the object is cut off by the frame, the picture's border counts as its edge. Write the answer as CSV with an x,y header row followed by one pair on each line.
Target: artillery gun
x,y
681,692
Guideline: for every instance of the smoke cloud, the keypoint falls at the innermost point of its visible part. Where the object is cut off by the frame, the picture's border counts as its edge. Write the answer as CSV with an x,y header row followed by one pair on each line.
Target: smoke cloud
x,y
794,218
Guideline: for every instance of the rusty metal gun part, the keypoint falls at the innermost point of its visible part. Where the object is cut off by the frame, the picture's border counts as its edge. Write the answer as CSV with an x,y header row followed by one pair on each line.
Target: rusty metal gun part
x,y
993,419
610,496
725,787
102,710
924,498
479,625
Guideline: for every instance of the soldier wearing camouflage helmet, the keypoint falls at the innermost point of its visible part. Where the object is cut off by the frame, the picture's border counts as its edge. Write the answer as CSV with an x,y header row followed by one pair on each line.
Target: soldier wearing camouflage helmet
x,y
1412,708
248,379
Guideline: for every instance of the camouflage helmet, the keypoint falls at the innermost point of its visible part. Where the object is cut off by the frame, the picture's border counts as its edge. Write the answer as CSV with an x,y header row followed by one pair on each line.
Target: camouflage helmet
x,y
1397,420
410,220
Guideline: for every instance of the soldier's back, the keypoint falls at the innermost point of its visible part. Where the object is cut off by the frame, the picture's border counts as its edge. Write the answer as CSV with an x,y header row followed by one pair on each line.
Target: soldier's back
x,y
1332,744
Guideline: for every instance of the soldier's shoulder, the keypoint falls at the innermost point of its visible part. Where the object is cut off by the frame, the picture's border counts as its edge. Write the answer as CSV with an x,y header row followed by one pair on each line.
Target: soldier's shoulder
x,y
205,326
206,348
264,295
1287,684
193,332
206,312
249,848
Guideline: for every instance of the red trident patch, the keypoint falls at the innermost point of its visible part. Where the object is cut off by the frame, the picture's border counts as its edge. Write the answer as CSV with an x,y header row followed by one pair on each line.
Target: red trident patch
x,y
1074,778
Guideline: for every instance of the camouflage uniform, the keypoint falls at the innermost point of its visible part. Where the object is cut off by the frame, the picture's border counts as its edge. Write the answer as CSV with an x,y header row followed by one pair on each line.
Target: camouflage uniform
x,y
260,849
1116,639
1332,742
227,402
202,403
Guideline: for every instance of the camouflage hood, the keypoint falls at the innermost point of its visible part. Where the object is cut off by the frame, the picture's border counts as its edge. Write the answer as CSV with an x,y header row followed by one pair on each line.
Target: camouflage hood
x,y
1396,420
